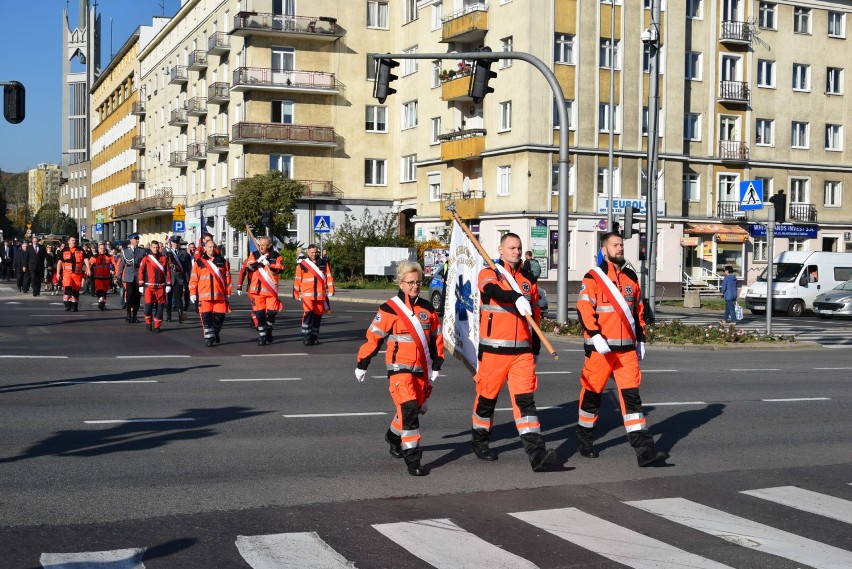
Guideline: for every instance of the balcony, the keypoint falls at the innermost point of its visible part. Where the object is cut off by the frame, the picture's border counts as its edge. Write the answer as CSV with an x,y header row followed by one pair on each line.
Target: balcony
x,y
197,60
197,106
138,109
802,212
161,201
218,43
733,151
218,144
179,117
738,33
137,177
218,93
467,25
313,189
196,151
178,75
469,205
734,92
262,79
280,26
137,142
729,210
457,86
178,160
462,144
283,134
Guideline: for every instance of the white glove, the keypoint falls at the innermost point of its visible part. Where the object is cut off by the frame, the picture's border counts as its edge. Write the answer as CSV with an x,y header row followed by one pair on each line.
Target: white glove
x,y
330,295
264,261
168,289
640,350
434,376
424,407
360,375
141,289
600,344
523,306
239,292
192,299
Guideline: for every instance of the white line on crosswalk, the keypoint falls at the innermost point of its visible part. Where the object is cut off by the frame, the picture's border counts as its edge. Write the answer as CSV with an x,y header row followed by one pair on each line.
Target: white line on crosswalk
x,y
612,541
665,403
807,501
271,355
552,372
660,371
313,415
115,559
287,550
34,357
122,421
832,368
444,545
755,369
265,379
747,533
797,399
117,381
150,356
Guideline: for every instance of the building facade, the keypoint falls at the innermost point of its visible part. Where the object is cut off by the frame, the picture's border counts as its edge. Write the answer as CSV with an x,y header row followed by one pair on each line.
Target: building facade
x,y
43,183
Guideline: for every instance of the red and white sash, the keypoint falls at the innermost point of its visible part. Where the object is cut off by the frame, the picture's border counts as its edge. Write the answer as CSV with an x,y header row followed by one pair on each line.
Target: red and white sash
x,y
314,269
154,260
267,280
214,270
620,306
415,330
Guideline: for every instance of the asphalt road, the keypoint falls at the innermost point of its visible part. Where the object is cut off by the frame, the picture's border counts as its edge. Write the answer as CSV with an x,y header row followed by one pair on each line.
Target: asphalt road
x,y
116,438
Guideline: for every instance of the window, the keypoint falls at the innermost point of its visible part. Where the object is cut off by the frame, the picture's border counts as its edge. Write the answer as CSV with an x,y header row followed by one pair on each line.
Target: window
x,y
609,54
434,186
764,135
767,188
646,58
729,188
408,170
800,135
409,66
833,137
506,115
833,81
796,245
375,172
832,194
761,248
371,68
435,130
282,163
409,115
563,49
282,112
506,45
692,126
603,182
376,119
377,14
800,190
691,187
436,74
801,20
801,77
437,15
766,15
693,66
409,11
765,73
837,24
693,9
569,107
603,118
504,180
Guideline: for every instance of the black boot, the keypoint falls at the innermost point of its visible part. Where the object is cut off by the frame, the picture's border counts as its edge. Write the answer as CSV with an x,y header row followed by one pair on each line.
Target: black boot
x,y
416,469
587,450
74,306
67,306
652,456
483,451
101,305
169,315
395,444
412,462
261,341
208,342
181,315
269,335
541,460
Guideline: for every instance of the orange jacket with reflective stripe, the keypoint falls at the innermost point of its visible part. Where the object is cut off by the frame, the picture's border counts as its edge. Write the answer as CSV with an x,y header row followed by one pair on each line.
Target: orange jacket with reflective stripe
x,y
72,260
204,284
102,267
502,330
597,313
306,285
257,284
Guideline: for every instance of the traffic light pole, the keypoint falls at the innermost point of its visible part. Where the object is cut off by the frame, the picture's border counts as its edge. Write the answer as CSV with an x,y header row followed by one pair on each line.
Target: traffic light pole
x,y
653,153
562,239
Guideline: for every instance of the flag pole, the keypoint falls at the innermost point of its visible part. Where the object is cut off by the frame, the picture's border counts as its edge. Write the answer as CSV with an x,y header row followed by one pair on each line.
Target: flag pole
x,y
451,207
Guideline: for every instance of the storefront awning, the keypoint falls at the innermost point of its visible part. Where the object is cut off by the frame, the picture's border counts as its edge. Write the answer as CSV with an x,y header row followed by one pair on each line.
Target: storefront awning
x,y
721,233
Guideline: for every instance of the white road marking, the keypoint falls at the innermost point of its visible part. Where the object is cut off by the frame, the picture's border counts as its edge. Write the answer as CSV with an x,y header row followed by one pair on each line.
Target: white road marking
x,y
537,407
12,302
755,369
552,372
798,399
660,370
265,379
832,368
158,356
35,357
122,421
807,501
444,545
270,355
115,559
612,541
665,403
287,550
747,533
115,381
313,415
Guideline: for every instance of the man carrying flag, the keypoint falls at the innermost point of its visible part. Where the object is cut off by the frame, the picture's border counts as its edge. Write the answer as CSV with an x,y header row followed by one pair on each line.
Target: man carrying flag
x,y
155,274
264,267
313,285
210,286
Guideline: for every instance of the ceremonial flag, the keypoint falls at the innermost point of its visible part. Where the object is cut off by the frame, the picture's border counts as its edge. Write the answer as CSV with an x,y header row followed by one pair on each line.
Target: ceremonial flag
x,y
461,304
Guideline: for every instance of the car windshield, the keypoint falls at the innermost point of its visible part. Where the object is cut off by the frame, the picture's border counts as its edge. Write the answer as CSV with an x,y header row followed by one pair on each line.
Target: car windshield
x,y
782,272
844,286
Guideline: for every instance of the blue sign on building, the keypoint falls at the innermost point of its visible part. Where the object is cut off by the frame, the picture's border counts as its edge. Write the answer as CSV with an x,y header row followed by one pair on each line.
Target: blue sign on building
x,y
751,195
178,226
99,228
322,224
784,230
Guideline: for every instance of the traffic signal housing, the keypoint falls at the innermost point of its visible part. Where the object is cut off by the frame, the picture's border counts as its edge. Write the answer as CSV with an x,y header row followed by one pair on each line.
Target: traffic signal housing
x,y
481,75
384,77
14,102
779,200
628,229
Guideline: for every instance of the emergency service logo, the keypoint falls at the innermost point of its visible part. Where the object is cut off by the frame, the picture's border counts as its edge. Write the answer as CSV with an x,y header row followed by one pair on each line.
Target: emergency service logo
x,y
628,289
423,316
464,299
526,287
378,318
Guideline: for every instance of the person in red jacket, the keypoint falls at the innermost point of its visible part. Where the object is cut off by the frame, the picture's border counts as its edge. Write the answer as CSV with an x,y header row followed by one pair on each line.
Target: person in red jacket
x,y
264,267
154,277
414,354
102,274
313,285
612,313
73,263
210,286
507,352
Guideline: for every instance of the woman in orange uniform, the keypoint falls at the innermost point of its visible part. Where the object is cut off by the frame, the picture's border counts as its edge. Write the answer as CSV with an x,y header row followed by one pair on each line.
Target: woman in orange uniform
x,y
73,263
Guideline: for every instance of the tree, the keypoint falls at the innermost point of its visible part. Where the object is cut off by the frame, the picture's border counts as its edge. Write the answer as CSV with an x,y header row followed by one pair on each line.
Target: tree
x,y
269,192
347,242
64,225
46,217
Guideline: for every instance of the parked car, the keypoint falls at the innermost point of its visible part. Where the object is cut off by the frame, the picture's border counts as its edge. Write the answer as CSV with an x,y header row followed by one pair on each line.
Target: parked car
x,y
436,295
836,302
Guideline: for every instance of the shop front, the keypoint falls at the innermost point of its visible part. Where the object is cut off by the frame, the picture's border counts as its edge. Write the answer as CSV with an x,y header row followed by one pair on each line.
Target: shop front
x,y
709,247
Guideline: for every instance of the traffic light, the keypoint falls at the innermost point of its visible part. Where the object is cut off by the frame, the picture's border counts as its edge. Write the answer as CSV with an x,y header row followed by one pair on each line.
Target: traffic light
x,y
779,200
481,75
629,230
384,77
14,98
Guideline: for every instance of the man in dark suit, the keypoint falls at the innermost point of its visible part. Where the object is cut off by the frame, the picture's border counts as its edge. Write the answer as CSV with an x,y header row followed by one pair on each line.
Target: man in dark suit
x,y
35,265
7,255
19,265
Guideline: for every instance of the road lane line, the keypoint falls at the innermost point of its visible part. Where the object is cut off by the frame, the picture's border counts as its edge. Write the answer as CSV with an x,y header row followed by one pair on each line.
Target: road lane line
x,y
807,501
537,407
274,551
444,545
115,559
35,357
755,369
660,370
797,399
122,421
747,533
271,355
665,403
552,372
160,356
111,381
832,368
612,541
265,379
316,415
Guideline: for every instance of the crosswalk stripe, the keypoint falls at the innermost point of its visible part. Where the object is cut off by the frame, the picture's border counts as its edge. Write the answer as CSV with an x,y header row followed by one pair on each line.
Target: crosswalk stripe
x,y
807,501
288,551
115,559
747,533
444,545
614,542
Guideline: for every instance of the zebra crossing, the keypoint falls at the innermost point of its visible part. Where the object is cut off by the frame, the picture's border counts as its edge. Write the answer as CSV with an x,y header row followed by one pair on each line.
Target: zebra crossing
x,y
447,543
831,335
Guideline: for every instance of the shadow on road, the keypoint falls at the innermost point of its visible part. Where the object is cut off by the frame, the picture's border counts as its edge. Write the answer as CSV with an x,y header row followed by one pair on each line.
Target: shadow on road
x,y
124,376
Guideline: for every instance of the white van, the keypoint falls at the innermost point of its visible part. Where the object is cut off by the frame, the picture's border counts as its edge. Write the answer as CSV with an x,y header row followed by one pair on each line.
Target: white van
x,y
797,278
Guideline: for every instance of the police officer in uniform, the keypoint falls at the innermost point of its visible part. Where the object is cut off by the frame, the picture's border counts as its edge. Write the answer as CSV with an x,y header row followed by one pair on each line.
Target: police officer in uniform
x,y
179,260
131,257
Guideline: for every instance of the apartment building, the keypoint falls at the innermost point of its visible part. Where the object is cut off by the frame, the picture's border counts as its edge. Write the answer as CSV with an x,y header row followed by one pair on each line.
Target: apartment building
x,y
42,186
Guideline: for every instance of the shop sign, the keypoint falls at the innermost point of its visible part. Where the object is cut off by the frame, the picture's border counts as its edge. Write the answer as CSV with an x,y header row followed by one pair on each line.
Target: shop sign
x,y
784,230
618,205
689,241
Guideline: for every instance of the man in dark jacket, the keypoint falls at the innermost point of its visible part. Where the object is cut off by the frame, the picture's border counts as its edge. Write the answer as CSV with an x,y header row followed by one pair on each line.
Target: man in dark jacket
x,y
7,255
36,254
19,265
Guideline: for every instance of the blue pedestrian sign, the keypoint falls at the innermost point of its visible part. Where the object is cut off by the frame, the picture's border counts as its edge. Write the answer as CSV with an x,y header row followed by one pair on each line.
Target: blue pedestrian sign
x,y
178,226
99,228
322,224
751,194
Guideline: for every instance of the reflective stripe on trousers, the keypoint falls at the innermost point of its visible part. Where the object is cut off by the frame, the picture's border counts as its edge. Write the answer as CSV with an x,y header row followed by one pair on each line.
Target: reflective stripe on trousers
x,y
587,419
527,425
634,422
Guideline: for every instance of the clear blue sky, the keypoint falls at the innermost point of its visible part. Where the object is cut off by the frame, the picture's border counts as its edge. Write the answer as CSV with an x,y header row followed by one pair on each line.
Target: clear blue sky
x,y
31,43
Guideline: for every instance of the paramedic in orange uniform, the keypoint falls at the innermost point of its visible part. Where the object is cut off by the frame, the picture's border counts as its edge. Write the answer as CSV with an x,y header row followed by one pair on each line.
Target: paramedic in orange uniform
x,y
155,274
264,268
415,353
313,285
73,263
611,310
102,274
507,351
210,286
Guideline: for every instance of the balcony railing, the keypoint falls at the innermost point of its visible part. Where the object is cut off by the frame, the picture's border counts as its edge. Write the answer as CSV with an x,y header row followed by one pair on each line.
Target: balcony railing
x,y
729,210
276,133
219,92
218,143
456,87
313,188
197,60
219,43
196,151
469,205
736,32
161,201
138,142
734,91
178,117
733,150
803,212
138,108
178,74
466,24
462,144
197,106
253,23
137,177
246,78
177,159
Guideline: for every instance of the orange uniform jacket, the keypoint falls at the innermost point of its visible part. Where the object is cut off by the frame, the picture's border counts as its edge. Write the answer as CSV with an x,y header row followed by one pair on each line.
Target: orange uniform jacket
x,y
72,261
402,355
102,267
307,287
502,330
596,310
204,283
151,275
258,285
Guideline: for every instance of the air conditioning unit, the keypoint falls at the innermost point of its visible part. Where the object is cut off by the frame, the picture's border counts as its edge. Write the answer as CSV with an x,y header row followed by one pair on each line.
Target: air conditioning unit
x,y
847,235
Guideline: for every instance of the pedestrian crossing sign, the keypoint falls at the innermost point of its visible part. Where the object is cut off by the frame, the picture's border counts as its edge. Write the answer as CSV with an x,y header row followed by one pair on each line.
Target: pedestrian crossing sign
x,y
322,224
751,194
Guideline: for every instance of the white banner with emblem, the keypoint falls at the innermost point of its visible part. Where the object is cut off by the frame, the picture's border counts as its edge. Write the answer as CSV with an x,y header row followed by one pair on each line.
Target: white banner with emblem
x,y
461,304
